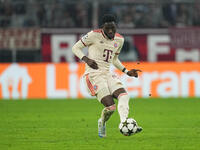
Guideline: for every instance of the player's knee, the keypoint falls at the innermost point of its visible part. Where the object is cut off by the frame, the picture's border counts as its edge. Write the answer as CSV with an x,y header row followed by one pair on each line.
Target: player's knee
x,y
117,92
107,101
112,107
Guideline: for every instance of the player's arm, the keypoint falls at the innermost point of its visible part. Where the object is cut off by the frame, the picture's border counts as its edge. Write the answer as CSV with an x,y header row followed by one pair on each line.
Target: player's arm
x,y
117,63
78,47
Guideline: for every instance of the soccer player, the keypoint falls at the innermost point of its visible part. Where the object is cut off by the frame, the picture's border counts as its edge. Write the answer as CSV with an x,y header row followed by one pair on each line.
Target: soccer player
x,y
104,46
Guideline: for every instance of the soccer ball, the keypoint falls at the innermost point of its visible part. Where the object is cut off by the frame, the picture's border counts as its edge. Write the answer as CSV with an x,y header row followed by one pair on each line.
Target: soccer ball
x,y
128,127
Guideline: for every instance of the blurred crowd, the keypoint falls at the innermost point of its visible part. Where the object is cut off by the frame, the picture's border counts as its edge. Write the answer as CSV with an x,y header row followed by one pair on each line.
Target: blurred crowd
x,y
68,14
155,15
44,13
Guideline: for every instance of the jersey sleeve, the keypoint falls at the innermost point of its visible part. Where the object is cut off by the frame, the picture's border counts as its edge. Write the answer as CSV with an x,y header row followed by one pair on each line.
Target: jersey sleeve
x,y
116,62
120,47
88,39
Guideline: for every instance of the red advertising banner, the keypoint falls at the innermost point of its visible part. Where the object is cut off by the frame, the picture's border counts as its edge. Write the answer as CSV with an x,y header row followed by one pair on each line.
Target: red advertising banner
x,y
151,48
154,48
185,37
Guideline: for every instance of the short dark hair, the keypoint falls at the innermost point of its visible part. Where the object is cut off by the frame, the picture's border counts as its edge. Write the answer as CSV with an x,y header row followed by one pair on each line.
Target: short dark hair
x,y
108,18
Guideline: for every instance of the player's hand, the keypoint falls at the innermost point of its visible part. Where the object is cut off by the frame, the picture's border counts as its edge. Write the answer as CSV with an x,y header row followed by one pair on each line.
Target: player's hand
x,y
133,72
90,62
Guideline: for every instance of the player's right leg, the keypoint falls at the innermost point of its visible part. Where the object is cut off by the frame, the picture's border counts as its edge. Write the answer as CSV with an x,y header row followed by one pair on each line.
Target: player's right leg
x,y
110,107
106,113
97,85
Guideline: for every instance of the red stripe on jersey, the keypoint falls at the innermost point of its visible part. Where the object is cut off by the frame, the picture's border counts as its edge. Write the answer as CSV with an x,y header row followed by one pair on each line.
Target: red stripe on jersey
x,y
90,86
97,30
118,35
83,43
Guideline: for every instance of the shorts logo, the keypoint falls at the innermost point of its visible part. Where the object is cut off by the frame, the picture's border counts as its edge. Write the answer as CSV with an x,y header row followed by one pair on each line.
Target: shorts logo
x,y
115,45
95,87
101,42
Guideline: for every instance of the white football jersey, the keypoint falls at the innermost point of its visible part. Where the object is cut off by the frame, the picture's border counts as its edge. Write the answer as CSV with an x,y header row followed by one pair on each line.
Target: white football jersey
x,y
101,49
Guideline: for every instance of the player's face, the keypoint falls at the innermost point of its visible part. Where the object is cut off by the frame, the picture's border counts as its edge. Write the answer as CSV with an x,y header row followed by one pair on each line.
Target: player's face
x,y
109,29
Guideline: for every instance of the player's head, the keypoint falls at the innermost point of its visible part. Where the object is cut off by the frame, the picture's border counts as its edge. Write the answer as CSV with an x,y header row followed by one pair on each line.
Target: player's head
x,y
109,25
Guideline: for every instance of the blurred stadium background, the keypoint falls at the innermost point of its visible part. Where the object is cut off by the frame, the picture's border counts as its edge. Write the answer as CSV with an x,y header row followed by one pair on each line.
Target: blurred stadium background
x,y
41,33
36,62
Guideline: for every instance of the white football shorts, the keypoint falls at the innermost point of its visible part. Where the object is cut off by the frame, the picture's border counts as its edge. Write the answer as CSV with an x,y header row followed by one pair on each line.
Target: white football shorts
x,y
102,84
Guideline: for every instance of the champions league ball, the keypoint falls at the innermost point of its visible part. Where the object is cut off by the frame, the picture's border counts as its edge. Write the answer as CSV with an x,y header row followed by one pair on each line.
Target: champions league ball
x,y
128,127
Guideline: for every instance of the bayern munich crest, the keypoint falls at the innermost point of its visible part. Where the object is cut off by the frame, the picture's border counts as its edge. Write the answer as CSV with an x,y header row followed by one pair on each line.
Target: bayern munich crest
x,y
115,45
95,87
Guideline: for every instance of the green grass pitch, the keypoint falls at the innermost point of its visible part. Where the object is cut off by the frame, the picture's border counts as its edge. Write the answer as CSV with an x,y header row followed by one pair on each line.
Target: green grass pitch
x,y
169,124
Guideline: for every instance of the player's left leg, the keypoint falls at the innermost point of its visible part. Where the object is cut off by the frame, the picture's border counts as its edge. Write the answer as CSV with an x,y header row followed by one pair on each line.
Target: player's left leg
x,y
123,105
118,92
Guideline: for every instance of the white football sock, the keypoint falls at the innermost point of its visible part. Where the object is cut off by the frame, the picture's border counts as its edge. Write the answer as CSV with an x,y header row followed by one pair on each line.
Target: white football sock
x,y
107,112
123,106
